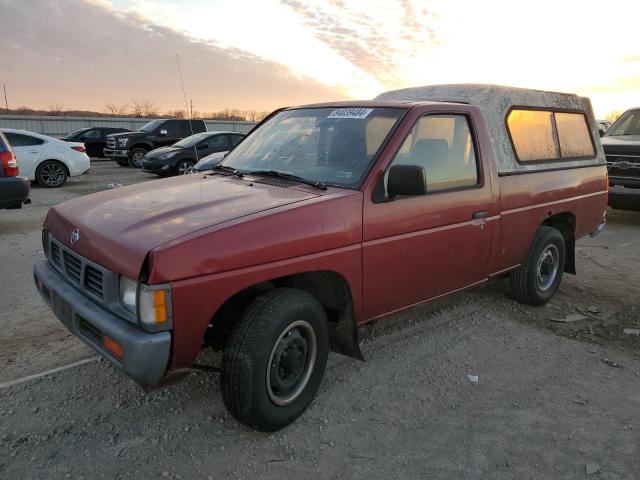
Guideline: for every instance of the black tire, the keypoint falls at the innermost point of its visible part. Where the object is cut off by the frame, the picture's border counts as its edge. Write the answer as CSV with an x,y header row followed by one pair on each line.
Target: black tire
x,y
51,174
538,278
136,155
123,163
250,388
184,167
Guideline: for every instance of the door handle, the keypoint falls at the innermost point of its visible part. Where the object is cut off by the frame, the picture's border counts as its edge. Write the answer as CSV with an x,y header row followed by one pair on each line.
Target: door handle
x,y
480,214
33,151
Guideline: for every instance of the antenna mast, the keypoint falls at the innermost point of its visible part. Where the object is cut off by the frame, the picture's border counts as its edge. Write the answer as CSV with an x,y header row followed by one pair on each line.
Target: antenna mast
x,y
186,106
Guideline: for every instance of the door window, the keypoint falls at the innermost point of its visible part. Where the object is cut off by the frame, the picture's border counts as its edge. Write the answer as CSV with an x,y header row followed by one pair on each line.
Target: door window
x,y
91,134
236,139
18,140
173,128
218,141
444,147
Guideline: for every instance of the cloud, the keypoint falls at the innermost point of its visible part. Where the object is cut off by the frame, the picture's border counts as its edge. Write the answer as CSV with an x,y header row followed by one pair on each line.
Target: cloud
x,y
378,38
84,54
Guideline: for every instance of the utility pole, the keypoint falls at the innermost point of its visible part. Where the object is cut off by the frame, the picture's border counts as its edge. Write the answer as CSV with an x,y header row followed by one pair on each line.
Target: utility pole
x,y
6,104
191,112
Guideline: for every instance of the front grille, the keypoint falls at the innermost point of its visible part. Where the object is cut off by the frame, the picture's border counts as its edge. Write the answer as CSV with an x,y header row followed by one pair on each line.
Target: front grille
x,y
93,280
623,165
111,143
72,265
55,253
86,275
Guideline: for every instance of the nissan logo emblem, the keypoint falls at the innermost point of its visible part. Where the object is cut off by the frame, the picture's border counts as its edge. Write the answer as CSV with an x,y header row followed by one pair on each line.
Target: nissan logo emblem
x,y
75,236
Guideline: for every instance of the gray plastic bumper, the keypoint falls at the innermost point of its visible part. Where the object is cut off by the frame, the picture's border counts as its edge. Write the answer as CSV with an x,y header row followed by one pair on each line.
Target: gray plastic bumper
x,y
146,355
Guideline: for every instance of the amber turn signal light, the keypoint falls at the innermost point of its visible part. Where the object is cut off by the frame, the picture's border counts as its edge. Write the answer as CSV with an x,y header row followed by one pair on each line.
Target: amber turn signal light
x,y
114,347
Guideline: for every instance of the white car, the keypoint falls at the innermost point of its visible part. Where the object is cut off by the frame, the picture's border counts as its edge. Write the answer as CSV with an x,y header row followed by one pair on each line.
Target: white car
x,y
47,160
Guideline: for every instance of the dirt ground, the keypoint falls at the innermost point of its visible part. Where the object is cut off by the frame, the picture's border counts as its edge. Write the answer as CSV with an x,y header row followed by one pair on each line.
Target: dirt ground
x,y
554,399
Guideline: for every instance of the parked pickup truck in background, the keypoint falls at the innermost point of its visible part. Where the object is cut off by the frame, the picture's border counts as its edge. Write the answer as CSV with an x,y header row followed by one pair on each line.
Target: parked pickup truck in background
x,y
621,145
326,217
130,148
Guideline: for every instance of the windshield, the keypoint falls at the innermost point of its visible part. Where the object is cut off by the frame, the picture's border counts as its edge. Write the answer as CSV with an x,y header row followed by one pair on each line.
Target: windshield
x,y
627,124
151,126
73,134
191,140
329,145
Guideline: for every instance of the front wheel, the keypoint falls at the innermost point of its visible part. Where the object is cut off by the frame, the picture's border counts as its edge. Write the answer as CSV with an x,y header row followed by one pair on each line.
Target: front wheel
x,y
538,278
275,359
135,157
184,167
51,174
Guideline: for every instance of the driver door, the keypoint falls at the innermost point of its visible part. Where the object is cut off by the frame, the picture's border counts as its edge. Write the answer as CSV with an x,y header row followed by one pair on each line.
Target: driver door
x,y
420,247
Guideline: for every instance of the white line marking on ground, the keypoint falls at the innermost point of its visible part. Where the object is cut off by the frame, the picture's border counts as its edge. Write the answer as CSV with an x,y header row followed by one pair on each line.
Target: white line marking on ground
x,y
47,372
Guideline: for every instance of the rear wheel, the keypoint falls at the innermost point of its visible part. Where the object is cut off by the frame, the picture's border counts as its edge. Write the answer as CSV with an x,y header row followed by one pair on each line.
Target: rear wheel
x,y
135,157
184,167
275,359
51,174
538,278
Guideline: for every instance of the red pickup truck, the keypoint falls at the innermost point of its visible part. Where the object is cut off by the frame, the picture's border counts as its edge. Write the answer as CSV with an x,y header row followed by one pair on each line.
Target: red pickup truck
x,y
326,217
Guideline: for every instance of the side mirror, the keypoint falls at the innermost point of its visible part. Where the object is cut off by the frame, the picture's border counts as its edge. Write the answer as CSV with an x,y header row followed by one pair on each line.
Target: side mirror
x,y
163,133
406,180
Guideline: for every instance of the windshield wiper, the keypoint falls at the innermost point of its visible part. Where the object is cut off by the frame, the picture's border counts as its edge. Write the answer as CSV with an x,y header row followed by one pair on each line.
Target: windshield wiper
x,y
231,170
289,176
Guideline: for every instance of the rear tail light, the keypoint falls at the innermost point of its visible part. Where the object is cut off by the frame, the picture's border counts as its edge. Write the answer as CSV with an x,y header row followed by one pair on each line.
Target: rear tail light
x,y
80,149
9,164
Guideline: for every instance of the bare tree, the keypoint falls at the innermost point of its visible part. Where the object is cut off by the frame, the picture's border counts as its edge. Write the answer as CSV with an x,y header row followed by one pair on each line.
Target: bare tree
x,y
115,110
55,109
613,116
144,108
176,114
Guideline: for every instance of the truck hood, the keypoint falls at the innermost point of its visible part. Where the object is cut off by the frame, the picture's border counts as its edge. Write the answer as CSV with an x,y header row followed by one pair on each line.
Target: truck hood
x,y
621,144
119,227
127,135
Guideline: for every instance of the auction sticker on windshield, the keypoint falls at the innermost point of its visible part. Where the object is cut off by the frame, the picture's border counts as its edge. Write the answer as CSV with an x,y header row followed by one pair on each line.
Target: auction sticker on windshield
x,y
350,113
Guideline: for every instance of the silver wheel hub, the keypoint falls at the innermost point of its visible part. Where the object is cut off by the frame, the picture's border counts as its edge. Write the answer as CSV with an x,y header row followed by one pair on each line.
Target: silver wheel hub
x,y
137,158
52,174
291,363
185,168
547,269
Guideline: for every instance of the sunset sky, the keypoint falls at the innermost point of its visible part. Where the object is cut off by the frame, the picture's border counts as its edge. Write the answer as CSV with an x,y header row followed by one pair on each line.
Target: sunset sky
x,y
269,53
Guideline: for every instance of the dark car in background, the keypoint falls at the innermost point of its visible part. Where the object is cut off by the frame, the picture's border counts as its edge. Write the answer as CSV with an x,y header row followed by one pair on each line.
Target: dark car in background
x,y
621,145
130,148
94,138
180,158
14,189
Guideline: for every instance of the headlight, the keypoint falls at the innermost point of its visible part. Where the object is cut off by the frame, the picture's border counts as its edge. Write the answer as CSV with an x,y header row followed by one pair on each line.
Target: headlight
x,y
123,141
151,303
129,294
167,156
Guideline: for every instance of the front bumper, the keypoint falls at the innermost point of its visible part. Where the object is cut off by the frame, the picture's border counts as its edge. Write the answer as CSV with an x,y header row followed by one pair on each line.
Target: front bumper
x,y
145,355
13,191
115,153
159,167
624,198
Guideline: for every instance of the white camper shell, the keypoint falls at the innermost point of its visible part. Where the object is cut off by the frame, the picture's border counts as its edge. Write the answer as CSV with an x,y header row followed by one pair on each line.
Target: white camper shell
x,y
502,106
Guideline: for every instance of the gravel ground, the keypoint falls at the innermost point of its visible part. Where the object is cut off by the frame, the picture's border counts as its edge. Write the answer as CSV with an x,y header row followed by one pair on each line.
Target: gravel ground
x,y
554,399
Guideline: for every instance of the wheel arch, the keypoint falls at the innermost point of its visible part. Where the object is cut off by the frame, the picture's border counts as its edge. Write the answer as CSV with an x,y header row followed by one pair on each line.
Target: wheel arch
x,y
329,288
146,146
57,160
565,223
